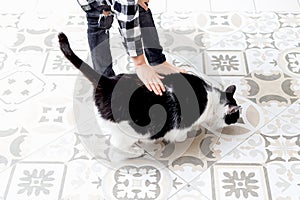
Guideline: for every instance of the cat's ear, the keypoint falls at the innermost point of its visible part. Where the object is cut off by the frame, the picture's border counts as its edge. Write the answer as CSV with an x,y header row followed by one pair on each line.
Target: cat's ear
x,y
233,109
230,91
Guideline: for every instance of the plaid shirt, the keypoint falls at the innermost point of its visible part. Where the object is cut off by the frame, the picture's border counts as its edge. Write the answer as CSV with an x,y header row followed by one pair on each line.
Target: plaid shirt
x,y
127,14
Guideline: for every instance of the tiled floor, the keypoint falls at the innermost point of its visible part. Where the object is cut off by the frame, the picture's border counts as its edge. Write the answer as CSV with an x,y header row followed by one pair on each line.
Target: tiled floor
x,y
51,149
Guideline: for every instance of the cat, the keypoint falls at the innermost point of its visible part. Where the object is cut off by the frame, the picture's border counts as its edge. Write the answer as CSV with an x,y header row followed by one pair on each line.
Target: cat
x,y
132,113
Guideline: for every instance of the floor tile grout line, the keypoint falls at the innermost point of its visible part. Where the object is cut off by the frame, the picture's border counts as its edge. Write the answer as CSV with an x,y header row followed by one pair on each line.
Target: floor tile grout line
x,y
192,188
199,191
177,191
210,5
255,7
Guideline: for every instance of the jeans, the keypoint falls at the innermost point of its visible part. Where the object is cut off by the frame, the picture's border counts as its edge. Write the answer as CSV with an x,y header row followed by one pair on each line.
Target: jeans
x,y
99,44
98,40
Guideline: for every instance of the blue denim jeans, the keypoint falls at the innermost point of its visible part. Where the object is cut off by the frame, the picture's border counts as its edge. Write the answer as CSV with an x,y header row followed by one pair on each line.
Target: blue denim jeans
x,y
98,40
99,44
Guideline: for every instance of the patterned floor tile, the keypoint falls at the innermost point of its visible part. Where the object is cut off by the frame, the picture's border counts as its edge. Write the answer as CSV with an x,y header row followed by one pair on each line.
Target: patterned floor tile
x,y
245,181
260,40
18,143
277,141
221,23
36,180
189,158
234,181
83,181
38,122
12,137
261,89
262,59
262,22
286,38
57,65
66,169
274,150
282,141
13,90
7,60
134,179
199,31
284,179
250,151
49,113
140,179
288,19
233,42
288,61
22,85
225,63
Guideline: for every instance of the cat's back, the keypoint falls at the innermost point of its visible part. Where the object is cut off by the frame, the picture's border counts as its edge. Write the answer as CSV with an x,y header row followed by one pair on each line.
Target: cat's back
x,y
179,107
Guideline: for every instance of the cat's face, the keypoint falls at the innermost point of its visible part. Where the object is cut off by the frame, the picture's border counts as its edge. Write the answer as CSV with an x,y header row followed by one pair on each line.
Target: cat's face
x,y
232,110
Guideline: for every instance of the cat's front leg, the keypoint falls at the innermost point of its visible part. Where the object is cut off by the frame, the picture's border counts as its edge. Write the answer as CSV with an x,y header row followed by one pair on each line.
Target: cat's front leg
x,y
181,137
177,135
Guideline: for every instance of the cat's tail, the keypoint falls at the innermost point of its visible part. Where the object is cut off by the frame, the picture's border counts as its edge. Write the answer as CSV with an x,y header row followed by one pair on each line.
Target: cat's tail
x,y
87,70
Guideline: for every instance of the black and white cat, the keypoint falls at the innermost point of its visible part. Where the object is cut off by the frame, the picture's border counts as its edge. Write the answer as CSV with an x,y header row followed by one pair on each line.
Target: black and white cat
x,y
132,113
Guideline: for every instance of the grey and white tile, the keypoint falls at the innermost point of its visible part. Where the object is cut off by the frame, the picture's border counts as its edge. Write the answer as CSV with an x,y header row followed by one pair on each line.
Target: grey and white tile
x,y
271,155
36,180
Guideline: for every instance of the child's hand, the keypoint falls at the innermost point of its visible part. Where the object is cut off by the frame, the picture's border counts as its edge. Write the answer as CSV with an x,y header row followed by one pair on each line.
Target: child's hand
x,y
150,78
143,4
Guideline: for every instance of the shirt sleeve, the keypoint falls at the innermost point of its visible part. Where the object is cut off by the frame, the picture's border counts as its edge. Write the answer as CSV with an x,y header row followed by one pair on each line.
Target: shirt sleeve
x,y
127,14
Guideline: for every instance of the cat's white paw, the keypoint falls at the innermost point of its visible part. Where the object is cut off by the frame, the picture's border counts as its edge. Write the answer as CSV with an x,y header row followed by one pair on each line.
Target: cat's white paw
x,y
135,151
181,138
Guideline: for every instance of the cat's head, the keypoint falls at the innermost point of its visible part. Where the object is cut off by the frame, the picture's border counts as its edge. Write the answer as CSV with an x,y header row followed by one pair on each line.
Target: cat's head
x,y
232,110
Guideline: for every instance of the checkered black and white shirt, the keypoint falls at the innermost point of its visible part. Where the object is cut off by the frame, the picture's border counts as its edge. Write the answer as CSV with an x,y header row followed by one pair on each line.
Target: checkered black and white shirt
x,y
127,14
